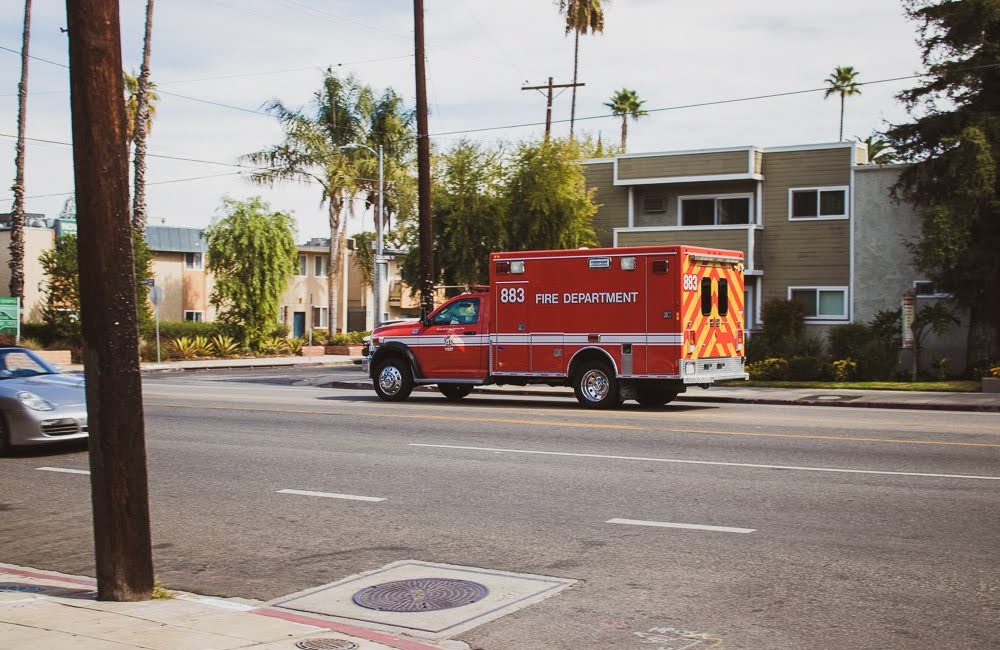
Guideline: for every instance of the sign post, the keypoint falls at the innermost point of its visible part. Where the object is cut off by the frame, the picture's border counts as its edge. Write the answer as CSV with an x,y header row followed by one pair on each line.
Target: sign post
x,y
156,297
10,317
909,314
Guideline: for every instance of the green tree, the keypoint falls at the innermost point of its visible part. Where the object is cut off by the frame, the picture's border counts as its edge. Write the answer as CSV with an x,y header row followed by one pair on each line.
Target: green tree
x,y
582,16
842,81
937,318
388,124
312,153
252,253
880,150
61,311
549,205
953,143
132,106
626,103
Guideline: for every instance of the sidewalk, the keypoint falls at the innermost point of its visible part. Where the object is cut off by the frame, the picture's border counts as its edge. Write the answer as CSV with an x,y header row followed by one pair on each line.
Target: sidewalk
x,y
885,399
45,610
331,360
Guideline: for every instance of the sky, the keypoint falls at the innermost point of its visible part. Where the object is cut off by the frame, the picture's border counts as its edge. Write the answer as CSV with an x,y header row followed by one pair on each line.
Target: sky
x,y
243,53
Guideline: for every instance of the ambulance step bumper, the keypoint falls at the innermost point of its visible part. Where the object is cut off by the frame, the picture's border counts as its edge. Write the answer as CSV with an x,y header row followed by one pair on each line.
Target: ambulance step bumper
x,y
704,371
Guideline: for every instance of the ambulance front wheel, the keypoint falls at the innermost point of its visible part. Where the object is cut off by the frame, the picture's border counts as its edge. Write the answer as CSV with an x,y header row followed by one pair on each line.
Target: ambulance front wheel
x,y
653,395
393,379
596,386
455,392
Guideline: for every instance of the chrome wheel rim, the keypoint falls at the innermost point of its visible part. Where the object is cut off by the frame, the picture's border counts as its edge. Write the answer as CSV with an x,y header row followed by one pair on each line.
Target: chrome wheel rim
x,y
390,380
595,385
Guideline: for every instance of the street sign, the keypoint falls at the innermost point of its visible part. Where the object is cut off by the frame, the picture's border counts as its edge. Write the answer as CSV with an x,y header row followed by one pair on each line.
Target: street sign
x,y
156,295
384,259
10,320
149,282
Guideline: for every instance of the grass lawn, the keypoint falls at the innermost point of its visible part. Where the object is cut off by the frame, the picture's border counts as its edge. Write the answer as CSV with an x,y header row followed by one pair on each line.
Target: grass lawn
x,y
940,386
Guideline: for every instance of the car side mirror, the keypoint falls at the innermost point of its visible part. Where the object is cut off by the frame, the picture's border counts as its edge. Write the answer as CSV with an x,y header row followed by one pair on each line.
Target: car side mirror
x,y
425,321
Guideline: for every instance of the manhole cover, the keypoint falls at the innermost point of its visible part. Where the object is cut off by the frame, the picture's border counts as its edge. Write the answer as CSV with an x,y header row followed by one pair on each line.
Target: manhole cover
x,y
24,589
326,644
420,595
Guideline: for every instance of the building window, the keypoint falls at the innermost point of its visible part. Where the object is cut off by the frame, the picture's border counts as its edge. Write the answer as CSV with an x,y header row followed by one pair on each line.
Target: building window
x,y
319,269
194,261
320,315
715,210
193,315
821,303
723,297
706,296
817,203
283,314
926,289
303,267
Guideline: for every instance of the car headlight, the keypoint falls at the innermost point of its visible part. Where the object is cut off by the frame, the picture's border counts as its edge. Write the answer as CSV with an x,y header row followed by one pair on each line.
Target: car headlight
x,y
34,402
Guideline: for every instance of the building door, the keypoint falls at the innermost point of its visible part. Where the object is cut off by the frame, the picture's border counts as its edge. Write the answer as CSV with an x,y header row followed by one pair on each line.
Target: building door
x,y
299,324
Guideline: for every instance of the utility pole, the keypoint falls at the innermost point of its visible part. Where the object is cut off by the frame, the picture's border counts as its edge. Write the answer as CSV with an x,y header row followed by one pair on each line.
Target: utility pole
x,y
549,87
423,167
118,481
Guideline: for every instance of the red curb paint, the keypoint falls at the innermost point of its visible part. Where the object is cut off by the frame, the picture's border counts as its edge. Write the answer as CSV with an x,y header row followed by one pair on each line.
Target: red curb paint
x,y
25,573
369,635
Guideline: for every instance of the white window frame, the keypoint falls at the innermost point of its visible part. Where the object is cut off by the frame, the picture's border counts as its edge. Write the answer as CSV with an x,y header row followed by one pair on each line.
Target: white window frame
x,y
930,296
324,317
320,260
302,268
751,218
846,189
197,262
283,314
826,318
201,315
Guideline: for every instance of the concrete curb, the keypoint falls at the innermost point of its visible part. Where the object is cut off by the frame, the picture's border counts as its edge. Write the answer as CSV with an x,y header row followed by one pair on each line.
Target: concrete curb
x,y
710,399
251,364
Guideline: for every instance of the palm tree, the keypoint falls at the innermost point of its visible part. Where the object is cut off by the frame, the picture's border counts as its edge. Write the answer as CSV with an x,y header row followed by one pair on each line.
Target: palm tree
x,y
142,122
626,103
844,82
132,106
311,153
17,210
880,152
581,16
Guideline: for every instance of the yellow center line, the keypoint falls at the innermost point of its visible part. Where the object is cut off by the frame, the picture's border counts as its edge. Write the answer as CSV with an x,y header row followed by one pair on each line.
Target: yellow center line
x,y
586,425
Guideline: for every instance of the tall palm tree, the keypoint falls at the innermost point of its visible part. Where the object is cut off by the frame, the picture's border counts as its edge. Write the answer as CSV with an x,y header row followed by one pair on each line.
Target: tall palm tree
x,y
311,153
143,120
17,210
582,16
626,103
132,105
844,82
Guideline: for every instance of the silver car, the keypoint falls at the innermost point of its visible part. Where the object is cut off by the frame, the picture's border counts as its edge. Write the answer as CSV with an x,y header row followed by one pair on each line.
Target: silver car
x,y
38,404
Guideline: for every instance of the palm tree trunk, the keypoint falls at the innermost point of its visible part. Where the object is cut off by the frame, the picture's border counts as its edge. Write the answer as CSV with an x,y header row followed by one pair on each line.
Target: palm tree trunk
x,y
576,61
335,273
142,130
624,131
841,117
17,210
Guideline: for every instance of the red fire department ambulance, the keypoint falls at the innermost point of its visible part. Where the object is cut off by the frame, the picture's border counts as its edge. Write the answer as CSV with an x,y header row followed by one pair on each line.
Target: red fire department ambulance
x,y
637,323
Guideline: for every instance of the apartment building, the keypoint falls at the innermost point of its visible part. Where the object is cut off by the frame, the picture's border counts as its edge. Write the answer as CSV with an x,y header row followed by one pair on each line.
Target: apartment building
x,y
179,272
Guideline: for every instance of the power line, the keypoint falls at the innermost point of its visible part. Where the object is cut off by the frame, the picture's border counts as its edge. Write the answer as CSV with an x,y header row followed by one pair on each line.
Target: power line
x,y
167,182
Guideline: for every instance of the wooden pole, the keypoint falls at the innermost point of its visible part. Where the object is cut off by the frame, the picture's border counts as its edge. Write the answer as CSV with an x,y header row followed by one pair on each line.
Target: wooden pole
x,y
549,98
423,167
108,317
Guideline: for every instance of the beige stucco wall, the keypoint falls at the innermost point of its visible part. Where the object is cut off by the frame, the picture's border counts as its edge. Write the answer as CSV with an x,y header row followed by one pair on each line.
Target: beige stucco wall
x,y
673,165
36,241
306,291
168,273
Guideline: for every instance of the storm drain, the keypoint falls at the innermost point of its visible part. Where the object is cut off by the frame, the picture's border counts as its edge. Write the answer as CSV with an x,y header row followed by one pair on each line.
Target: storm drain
x,y
420,595
20,588
326,644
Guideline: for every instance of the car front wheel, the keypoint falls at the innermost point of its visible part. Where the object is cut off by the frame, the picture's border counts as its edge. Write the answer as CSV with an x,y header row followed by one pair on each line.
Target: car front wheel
x,y
393,380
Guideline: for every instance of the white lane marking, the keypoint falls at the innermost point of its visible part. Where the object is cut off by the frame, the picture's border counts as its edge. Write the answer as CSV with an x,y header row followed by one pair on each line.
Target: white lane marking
x,y
713,462
330,495
665,524
64,470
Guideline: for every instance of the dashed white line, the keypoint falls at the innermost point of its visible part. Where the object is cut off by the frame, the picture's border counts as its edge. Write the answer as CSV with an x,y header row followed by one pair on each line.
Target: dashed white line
x,y
64,470
683,461
330,495
667,524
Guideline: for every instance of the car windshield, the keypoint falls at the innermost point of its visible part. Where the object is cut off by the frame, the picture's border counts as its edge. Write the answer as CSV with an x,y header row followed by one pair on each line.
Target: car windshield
x,y
22,363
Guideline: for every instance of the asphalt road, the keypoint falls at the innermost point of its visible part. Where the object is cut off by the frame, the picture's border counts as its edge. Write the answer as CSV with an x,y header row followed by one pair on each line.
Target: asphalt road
x,y
870,529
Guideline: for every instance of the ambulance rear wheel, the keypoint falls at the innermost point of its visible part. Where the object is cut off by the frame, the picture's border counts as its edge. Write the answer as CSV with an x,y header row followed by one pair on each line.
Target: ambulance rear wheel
x,y
455,392
596,386
393,379
654,395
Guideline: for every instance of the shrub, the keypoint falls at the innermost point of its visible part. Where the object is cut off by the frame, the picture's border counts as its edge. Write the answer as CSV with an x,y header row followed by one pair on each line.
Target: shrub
x,y
877,360
844,369
783,319
184,347
887,325
38,331
320,337
940,365
31,344
758,348
806,368
189,328
224,346
995,372
768,370
202,348
294,346
803,346
845,341
272,345
281,331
